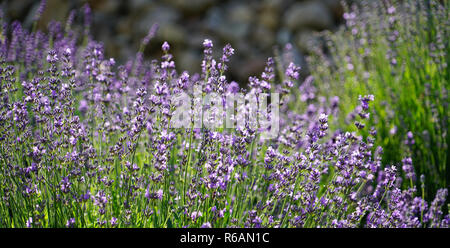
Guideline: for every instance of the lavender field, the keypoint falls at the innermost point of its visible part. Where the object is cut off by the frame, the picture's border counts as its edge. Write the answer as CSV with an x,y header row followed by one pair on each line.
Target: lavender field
x,y
361,140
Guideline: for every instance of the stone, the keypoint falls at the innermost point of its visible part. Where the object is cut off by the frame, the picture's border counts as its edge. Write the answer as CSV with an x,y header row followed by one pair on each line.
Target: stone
x,y
124,26
49,13
270,12
231,24
269,18
284,35
172,33
335,7
105,6
19,9
192,7
139,5
307,40
241,13
195,40
165,16
251,65
263,38
188,60
253,28
310,14
275,5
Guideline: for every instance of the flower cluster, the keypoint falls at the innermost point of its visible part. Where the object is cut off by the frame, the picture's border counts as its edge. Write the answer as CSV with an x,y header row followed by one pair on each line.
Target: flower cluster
x,y
88,143
394,50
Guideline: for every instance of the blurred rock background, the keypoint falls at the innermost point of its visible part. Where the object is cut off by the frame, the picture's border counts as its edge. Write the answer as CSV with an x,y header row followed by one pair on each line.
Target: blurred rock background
x,y
254,27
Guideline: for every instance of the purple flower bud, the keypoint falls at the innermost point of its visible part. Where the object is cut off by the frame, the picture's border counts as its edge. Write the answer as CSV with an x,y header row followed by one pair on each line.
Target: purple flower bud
x,y
40,10
206,225
233,87
165,46
70,223
293,71
207,43
113,221
151,33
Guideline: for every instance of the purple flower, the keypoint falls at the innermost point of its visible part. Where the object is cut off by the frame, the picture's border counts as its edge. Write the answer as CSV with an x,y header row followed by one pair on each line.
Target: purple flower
x,y
151,33
293,71
72,121
29,222
195,215
233,87
206,225
113,221
70,223
40,10
65,185
207,43
165,46
408,168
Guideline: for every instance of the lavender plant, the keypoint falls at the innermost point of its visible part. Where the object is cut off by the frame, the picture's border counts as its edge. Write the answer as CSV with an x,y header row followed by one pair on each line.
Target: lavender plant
x,y
88,143
397,51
